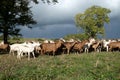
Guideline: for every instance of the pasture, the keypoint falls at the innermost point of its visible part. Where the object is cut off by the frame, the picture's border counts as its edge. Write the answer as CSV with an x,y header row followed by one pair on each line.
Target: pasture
x,y
91,66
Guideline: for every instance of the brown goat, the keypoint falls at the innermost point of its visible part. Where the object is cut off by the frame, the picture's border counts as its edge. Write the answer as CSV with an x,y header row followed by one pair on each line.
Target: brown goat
x,y
68,46
113,45
96,45
4,47
79,46
50,47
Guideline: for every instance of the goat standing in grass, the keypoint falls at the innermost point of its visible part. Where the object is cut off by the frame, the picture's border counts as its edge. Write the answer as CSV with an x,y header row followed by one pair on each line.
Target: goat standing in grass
x,y
79,46
68,46
97,46
114,45
50,47
4,47
26,47
26,50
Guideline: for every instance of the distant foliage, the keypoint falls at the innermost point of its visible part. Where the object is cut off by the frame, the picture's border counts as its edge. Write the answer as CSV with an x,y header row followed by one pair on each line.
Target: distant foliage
x,y
77,36
92,20
49,1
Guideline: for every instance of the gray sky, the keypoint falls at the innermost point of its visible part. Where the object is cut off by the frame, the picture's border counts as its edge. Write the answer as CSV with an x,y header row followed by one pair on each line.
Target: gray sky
x,y
55,21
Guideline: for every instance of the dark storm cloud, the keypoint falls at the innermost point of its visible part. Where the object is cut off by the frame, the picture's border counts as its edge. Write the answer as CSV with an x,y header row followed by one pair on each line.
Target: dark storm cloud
x,y
55,21
113,28
50,31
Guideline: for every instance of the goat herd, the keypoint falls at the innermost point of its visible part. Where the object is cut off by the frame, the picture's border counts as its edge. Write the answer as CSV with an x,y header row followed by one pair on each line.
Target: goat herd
x,y
60,46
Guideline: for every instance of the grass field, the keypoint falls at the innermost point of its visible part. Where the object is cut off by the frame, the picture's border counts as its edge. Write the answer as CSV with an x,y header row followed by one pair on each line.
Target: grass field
x,y
92,66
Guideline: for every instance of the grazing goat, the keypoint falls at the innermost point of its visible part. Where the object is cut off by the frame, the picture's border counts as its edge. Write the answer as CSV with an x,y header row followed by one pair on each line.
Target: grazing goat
x,y
68,46
113,45
4,47
105,44
26,47
37,49
50,47
88,44
15,47
79,46
97,46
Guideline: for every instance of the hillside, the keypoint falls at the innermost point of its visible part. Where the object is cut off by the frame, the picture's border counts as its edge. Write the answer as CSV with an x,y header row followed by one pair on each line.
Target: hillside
x,y
92,66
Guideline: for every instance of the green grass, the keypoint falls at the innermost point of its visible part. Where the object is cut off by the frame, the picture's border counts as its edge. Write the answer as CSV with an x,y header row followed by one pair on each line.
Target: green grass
x,y
92,66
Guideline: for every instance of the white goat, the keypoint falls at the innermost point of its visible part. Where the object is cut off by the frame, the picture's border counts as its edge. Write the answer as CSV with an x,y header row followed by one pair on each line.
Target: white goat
x,y
28,48
25,47
105,44
15,47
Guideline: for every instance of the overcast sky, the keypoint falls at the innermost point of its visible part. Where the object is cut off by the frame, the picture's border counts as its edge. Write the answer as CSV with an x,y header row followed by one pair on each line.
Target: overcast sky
x,y
56,21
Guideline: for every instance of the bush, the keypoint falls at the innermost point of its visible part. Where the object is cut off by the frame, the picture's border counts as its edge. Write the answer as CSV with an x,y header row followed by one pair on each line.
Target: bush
x,y
77,36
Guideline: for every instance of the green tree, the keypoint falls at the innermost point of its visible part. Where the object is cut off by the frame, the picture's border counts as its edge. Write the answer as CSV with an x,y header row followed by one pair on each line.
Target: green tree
x,y
14,13
92,20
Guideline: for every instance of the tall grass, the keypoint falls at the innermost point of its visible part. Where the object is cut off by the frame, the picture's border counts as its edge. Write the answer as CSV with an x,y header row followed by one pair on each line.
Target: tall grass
x,y
92,66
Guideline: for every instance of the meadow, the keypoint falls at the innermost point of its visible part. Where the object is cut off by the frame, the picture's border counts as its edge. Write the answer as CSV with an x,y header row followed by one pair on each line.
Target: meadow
x,y
91,66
